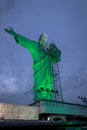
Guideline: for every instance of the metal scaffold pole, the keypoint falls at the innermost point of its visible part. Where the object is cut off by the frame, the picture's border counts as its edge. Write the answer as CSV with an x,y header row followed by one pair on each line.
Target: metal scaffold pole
x,y
57,83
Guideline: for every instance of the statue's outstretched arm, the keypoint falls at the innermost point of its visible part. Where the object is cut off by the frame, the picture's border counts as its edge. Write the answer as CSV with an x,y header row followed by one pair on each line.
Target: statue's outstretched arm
x,y
27,43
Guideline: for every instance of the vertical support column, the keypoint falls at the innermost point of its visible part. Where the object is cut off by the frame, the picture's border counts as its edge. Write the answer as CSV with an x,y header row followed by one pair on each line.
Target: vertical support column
x,y
57,83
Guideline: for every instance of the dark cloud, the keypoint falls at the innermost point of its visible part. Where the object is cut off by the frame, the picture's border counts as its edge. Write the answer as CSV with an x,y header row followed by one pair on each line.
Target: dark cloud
x,y
75,85
6,6
78,79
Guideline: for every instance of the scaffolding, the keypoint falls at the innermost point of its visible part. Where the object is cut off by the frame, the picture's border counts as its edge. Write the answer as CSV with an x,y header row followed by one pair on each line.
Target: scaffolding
x,y
55,59
57,83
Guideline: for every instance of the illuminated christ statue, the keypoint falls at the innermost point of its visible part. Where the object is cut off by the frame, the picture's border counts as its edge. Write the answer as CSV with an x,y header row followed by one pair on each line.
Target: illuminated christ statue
x,y
43,58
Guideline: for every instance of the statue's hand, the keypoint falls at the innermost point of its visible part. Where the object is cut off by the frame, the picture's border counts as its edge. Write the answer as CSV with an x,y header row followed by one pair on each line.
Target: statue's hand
x,y
11,31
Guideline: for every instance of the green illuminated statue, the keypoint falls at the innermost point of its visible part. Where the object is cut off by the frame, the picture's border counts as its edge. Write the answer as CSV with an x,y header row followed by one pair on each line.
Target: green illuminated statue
x,y
43,58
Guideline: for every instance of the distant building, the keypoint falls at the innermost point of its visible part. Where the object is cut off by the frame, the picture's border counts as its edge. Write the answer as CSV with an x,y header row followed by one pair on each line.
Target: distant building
x,y
9,111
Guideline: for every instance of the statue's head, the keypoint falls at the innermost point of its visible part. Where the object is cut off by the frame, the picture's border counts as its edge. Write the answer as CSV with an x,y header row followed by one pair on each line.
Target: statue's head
x,y
43,39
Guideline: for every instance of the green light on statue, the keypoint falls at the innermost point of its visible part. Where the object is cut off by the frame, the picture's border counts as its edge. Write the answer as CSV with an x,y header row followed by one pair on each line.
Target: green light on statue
x,y
43,58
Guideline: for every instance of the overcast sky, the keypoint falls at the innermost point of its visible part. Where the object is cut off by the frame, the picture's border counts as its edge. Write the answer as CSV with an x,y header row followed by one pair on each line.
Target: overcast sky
x,y
65,22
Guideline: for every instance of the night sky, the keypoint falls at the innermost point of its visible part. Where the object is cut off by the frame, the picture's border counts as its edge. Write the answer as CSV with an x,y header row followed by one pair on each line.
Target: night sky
x,y
65,23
